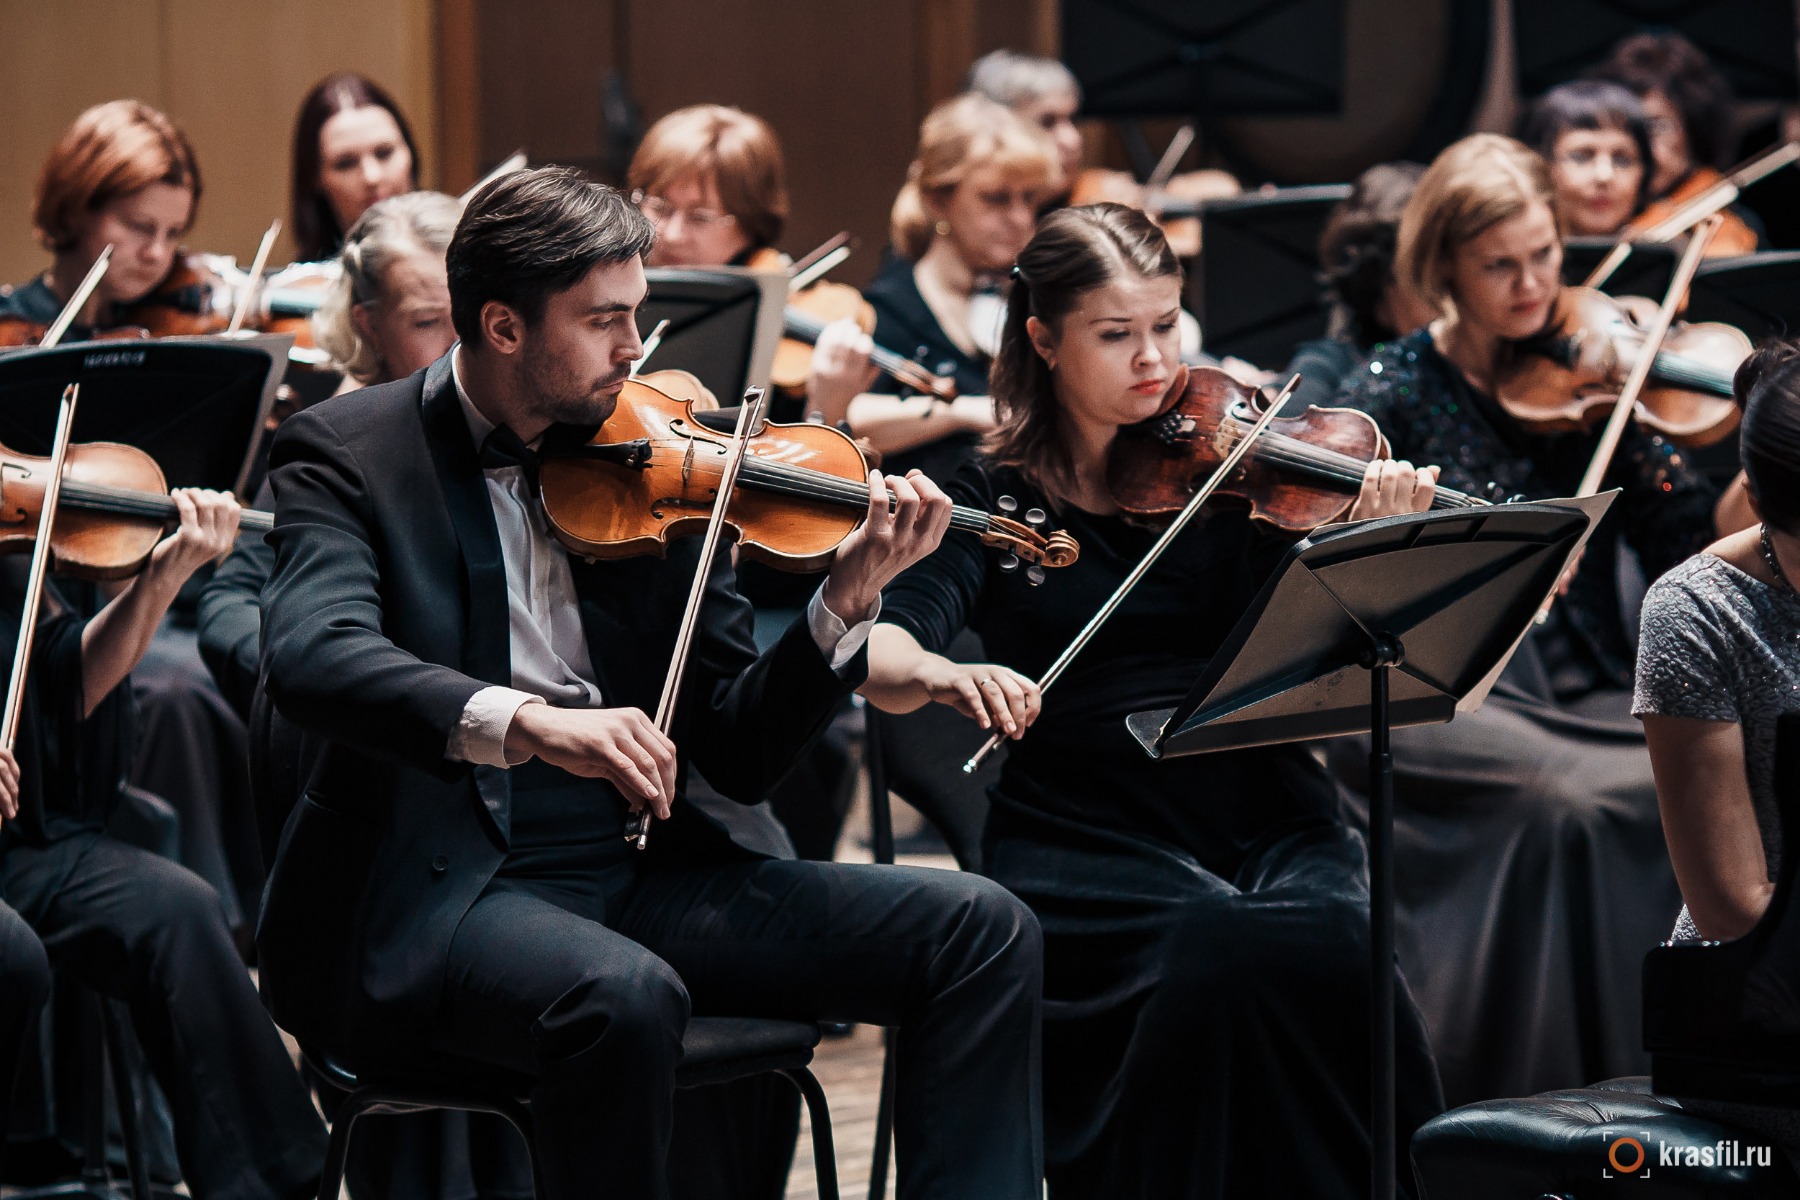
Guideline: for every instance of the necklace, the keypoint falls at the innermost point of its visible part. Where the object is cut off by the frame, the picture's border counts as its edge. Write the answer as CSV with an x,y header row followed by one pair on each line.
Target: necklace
x,y
1774,561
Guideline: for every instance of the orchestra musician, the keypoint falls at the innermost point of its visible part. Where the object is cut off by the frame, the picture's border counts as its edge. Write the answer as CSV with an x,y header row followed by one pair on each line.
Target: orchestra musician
x,y
1718,663
454,882
712,182
128,923
1596,137
1368,304
1205,918
968,206
1688,105
1527,829
124,174
352,147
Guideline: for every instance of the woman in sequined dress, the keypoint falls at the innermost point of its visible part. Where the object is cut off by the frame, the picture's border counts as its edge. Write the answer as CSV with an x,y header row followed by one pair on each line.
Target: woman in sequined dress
x,y
1532,872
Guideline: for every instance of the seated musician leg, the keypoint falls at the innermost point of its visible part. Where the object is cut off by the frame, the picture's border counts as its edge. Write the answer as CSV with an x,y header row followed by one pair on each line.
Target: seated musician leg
x,y
140,928
952,959
24,987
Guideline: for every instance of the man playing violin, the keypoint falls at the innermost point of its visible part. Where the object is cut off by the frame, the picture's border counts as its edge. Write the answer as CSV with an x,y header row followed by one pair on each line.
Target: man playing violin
x,y
455,884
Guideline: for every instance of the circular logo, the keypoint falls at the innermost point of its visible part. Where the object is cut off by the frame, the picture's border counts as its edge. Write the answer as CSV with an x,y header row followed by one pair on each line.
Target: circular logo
x,y
1635,1151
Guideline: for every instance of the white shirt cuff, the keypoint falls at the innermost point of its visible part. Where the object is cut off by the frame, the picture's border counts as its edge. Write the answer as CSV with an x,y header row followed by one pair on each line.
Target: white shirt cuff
x,y
836,642
480,733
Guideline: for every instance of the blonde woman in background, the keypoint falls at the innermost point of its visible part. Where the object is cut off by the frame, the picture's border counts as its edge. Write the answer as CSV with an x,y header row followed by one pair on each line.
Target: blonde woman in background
x,y
969,205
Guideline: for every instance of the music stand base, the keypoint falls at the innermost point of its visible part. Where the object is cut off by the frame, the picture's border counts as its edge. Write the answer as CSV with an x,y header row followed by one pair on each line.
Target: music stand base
x,y
1384,653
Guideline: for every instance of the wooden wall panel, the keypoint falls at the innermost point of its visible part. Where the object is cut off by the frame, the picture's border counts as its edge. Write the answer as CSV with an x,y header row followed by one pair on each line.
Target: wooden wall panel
x,y
231,74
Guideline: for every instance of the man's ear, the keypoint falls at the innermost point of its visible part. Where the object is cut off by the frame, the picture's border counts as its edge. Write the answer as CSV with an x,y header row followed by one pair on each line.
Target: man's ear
x,y
502,327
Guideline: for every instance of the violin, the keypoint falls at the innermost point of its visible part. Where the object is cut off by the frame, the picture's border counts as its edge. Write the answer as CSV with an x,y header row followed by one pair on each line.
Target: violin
x,y
113,507
805,318
1734,237
650,473
1569,376
203,292
1303,472
1175,205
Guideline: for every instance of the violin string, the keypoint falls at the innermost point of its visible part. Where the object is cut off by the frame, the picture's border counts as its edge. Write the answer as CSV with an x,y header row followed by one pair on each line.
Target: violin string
x,y
1283,450
1677,369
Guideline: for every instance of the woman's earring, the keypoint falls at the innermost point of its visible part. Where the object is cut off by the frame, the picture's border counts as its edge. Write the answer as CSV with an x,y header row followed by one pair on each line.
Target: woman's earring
x,y
942,229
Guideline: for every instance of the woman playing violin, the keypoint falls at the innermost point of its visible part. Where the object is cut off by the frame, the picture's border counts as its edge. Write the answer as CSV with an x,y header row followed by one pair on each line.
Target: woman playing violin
x,y
1596,137
1688,106
712,181
1529,827
968,207
1205,919
352,148
122,175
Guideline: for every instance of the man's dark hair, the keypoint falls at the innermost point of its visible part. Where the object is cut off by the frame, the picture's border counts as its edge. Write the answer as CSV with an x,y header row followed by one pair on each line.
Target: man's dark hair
x,y
532,233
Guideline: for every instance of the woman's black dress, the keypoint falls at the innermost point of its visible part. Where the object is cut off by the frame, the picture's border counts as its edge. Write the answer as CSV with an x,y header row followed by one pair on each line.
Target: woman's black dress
x,y
1532,874
1206,1021
905,324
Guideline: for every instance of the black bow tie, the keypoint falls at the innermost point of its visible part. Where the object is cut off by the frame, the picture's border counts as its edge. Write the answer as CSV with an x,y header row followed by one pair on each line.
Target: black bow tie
x,y
502,448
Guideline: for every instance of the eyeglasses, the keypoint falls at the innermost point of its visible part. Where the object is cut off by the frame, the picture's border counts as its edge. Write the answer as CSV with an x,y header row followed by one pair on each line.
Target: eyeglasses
x,y
661,212
1586,160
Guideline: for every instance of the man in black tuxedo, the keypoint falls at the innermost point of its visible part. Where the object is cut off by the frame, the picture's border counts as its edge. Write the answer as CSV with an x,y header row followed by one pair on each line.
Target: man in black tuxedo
x,y
454,881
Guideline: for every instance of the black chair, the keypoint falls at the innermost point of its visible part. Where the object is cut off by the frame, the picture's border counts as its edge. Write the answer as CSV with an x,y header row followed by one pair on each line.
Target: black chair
x,y
714,1050
106,1061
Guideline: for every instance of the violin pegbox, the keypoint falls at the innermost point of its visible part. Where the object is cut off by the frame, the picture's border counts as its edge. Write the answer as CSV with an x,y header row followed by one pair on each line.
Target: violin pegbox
x,y
1026,542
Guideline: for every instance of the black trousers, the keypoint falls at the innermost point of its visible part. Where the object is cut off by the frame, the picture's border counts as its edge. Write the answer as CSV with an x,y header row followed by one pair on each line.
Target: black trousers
x,y
24,987
580,967
150,932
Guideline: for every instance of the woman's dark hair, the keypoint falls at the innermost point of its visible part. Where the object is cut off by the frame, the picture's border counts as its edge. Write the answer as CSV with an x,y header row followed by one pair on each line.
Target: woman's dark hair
x,y
1356,250
1590,104
312,223
1670,64
1767,385
532,233
1074,251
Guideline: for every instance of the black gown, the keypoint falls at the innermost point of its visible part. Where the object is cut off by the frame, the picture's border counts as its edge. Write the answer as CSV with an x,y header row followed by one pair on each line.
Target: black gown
x,y
905,324
1532,874
1206,1020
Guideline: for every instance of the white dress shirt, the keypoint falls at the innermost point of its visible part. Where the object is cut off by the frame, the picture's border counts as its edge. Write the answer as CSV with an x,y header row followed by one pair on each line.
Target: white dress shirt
x,y
550,663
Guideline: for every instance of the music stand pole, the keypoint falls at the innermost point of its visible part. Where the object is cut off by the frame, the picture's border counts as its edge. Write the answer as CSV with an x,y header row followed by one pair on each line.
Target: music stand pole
x,y
1385,652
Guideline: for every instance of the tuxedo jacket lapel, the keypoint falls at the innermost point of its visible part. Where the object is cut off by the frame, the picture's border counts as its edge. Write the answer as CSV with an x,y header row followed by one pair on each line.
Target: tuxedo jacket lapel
x,y
487,636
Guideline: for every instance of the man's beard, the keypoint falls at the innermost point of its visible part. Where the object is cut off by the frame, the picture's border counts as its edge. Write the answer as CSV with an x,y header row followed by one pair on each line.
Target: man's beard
x,y
559,396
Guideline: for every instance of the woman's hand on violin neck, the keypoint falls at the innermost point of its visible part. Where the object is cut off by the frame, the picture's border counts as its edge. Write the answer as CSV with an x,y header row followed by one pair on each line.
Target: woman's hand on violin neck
x,y
620,745
841,370
887,542
1391,488
207,532
987,693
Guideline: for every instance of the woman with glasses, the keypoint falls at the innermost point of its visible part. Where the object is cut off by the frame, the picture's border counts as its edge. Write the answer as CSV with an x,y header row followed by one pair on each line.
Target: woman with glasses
x,y
712,181
1596,138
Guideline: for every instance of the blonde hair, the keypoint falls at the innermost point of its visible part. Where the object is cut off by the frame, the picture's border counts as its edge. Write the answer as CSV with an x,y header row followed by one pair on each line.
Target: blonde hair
x,y
737,151
958,137
1472,186
384,233
112,150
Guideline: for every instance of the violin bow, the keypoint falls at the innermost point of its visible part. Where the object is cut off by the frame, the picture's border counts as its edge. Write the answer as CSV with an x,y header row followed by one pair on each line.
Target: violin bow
x,y
253,284
89,282
637,831
822,261
513,162
650,345
40,563
1646,358
1220,474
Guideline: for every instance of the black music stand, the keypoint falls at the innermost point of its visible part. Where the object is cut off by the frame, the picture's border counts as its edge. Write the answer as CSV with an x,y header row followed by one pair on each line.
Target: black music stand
x,y
198,406
723,324
1364,627
1260,290
1759,293
1646,273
